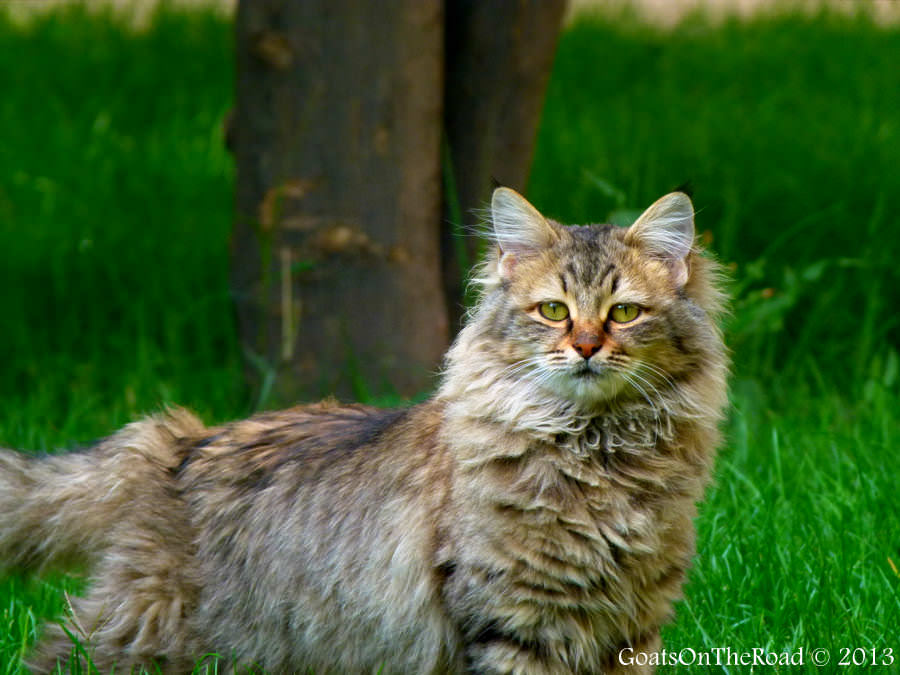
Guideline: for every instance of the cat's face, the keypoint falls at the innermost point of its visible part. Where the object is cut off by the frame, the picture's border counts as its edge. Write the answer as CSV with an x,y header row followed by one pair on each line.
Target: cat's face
x,y
594,312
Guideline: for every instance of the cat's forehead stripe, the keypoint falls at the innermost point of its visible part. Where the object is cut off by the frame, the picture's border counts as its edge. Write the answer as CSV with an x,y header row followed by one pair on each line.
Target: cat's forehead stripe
x,y
590,233
590,265
609,269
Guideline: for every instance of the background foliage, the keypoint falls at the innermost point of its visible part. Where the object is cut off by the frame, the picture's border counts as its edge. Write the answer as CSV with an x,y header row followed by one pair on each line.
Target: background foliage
x,y
115,209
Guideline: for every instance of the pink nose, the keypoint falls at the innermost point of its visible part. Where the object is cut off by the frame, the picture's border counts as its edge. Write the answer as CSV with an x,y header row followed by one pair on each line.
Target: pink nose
x,y
587,344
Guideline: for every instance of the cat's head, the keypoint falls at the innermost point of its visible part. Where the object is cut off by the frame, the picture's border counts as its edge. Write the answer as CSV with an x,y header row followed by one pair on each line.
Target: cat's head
x,y
591,313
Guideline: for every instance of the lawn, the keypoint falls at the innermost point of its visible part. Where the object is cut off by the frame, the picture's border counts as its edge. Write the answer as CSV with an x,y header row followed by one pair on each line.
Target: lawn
x,y
116,204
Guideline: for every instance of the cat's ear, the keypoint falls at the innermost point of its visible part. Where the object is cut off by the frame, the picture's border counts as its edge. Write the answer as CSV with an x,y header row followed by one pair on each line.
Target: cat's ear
x,y
666,231
519,228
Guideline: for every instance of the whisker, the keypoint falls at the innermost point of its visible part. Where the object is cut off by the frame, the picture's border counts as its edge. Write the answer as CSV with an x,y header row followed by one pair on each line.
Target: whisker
x,y
630,378
520,365
655,370
647,382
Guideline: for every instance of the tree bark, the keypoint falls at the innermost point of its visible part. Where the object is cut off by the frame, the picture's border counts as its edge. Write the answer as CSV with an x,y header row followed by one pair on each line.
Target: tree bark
x,y
498,61
345,282
337,141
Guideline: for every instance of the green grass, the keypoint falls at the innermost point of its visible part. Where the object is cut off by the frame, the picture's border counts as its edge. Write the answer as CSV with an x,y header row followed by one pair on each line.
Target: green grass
x,y
789,131
115,208
116,204
798,540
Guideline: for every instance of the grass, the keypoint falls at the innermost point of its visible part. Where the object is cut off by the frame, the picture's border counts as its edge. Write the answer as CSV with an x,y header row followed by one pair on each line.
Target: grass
x,y
115,209
787,128
798,541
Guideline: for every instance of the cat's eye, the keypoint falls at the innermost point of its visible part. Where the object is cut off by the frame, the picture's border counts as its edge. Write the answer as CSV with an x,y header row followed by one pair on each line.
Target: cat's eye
x,y
554,311
623,313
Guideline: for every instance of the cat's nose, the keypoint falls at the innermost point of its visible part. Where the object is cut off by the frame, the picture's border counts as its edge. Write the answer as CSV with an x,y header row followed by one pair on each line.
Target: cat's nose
x,y
587,344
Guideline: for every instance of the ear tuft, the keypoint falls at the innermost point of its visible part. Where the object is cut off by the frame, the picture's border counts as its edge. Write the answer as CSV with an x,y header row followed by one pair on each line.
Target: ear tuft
x,y
666,231
519,228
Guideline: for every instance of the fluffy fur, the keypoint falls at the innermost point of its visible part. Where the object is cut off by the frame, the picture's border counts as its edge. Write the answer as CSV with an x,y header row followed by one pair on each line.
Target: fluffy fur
x,y
535,516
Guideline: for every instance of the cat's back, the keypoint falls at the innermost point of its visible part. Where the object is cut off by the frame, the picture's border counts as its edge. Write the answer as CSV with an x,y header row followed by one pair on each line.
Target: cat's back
x,y
326,464
307,441
316,525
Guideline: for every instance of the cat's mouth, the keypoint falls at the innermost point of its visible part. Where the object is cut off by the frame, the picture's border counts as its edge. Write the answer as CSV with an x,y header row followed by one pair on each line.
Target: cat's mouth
x,y
589,383
584,371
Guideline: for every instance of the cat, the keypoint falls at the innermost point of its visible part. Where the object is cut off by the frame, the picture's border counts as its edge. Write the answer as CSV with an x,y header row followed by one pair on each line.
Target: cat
x,y
533,517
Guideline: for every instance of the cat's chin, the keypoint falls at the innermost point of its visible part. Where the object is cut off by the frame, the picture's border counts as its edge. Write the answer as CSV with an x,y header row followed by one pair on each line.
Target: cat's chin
x,y
587,387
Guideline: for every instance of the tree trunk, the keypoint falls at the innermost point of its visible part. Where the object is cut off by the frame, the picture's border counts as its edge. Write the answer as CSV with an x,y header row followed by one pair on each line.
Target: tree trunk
x,y
337,141
342,273
498,61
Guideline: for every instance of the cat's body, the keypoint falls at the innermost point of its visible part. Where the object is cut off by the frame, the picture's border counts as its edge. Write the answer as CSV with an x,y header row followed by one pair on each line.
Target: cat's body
x,y
535,516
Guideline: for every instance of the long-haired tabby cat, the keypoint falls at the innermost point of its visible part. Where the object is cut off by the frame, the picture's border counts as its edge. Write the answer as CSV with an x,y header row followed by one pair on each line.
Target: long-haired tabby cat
x,y
534,516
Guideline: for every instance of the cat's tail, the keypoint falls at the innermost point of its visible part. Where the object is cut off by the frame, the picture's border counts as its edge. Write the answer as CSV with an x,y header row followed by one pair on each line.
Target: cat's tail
x,y
56,509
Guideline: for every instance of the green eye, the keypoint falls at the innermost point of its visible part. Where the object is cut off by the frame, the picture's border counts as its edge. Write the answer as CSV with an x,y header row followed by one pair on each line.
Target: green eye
x,y
554,311
624,313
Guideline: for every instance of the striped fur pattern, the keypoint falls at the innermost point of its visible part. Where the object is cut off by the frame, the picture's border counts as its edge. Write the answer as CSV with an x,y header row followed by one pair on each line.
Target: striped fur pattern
x,y
533,517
